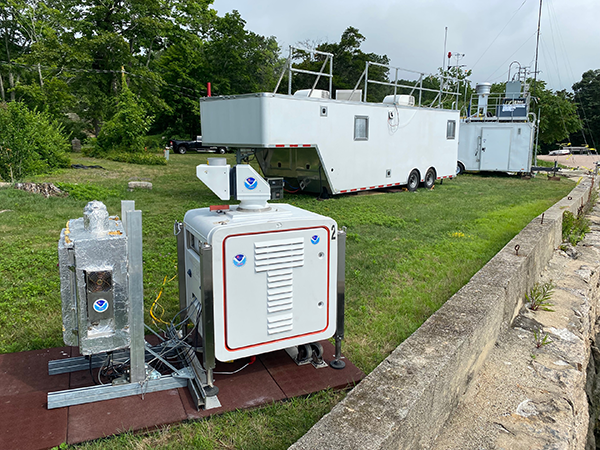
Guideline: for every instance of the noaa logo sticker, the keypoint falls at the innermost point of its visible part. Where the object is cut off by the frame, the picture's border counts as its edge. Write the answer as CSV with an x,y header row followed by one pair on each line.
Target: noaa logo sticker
x,y
250,183
100,305
239,260
315,239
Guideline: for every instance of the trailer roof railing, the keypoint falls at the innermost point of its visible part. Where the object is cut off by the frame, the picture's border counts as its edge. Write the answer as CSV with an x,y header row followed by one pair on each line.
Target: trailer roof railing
x,y
321,73
417,86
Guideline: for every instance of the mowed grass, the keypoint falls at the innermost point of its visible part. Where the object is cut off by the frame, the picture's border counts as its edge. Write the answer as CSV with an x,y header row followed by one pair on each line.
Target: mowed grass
x,y
407,253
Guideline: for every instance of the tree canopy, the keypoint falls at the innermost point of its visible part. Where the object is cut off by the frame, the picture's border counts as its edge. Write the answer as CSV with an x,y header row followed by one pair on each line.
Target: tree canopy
x,y
587,96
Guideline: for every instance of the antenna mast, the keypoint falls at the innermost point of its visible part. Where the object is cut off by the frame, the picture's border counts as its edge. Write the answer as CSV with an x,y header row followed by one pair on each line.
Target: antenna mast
x,y
537,47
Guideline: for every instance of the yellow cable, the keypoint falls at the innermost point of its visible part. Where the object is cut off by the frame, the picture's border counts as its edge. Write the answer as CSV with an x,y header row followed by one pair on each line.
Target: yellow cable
x,y
155,304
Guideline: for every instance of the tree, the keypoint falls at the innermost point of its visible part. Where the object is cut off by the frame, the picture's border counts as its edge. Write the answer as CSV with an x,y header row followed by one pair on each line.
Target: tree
x,y
558,114
587,95
233,59
127,128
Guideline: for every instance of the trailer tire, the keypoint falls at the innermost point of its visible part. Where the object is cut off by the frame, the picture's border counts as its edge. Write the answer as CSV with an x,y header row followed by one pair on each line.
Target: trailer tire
x,y
460,168
429,178
413,181
182,149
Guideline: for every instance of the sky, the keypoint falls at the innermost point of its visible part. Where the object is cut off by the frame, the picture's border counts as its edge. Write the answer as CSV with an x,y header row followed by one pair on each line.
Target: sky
x,y
489,33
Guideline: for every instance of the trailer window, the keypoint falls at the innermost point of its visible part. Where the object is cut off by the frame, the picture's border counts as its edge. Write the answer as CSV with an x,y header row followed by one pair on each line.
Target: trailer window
x,y
361,128
451,129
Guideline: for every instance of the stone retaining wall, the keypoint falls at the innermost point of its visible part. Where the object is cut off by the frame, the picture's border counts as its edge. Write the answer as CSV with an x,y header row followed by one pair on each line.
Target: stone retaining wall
x,y
406,400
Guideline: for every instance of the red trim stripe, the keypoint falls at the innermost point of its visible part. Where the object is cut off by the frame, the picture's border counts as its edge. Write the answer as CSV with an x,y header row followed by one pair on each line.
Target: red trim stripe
x,y
306,145
279,145
293,145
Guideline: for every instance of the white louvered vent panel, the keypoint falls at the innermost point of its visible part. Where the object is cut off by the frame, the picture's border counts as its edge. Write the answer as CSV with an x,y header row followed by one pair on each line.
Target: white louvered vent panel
x,y
278,255
278,258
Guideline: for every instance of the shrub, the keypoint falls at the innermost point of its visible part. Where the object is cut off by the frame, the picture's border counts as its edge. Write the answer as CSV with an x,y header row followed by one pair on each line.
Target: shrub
x,y
30,142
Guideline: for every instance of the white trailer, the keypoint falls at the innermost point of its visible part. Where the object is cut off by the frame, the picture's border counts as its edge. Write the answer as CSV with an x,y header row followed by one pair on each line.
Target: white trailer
x,y
497,134
334,146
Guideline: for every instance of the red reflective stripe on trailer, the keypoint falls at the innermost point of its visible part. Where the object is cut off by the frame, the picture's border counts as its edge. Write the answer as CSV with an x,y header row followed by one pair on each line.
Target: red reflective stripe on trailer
x,y
444,177
279,145
343,192
381,185
352,190
396,184
389,184
293,145
372,187
438,178
363,189
306,145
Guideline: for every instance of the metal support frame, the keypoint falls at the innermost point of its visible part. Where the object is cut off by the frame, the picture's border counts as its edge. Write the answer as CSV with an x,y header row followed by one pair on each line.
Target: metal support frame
x,y
337,363
191,375
180,236
133,229
207,302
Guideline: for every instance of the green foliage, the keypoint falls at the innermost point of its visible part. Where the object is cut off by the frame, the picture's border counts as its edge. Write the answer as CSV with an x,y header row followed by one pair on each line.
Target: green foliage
x,y
540,338
87,192
539,297
30,142
128,127
587,95
574,228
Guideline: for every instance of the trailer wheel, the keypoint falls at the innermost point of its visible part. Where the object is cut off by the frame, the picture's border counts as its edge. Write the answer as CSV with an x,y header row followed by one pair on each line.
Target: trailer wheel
x,y
429,178
182,149
460,168
413,181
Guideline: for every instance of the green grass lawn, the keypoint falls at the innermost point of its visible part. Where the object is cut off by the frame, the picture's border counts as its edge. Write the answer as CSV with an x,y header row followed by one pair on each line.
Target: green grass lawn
x,y
407,253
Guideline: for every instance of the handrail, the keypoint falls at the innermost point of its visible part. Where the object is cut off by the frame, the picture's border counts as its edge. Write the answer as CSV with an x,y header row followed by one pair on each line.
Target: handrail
x,y
417,86
291,69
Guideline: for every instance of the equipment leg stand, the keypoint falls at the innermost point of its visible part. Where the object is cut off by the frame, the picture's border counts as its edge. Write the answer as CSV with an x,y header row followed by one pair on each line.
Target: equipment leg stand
x,y
337,363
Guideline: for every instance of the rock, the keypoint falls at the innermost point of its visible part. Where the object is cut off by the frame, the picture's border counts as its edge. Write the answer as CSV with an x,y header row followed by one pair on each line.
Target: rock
x,y
139,185
46,189
76,145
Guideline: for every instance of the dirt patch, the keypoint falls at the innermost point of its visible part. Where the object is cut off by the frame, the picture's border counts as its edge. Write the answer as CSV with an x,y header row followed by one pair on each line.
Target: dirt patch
x,y
577,161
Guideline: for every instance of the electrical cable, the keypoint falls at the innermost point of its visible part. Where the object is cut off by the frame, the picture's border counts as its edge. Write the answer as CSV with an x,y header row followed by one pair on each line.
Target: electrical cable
x,y
494,40
252,360
155,303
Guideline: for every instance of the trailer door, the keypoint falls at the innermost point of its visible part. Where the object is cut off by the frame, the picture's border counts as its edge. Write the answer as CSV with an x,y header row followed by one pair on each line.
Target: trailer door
x,y
495,148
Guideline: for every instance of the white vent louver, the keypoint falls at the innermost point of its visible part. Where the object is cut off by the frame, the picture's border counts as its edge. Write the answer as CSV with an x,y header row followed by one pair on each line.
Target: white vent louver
x,y
278,258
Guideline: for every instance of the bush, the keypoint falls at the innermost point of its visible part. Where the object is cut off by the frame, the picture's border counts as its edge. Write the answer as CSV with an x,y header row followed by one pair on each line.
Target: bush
x,y
30,142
